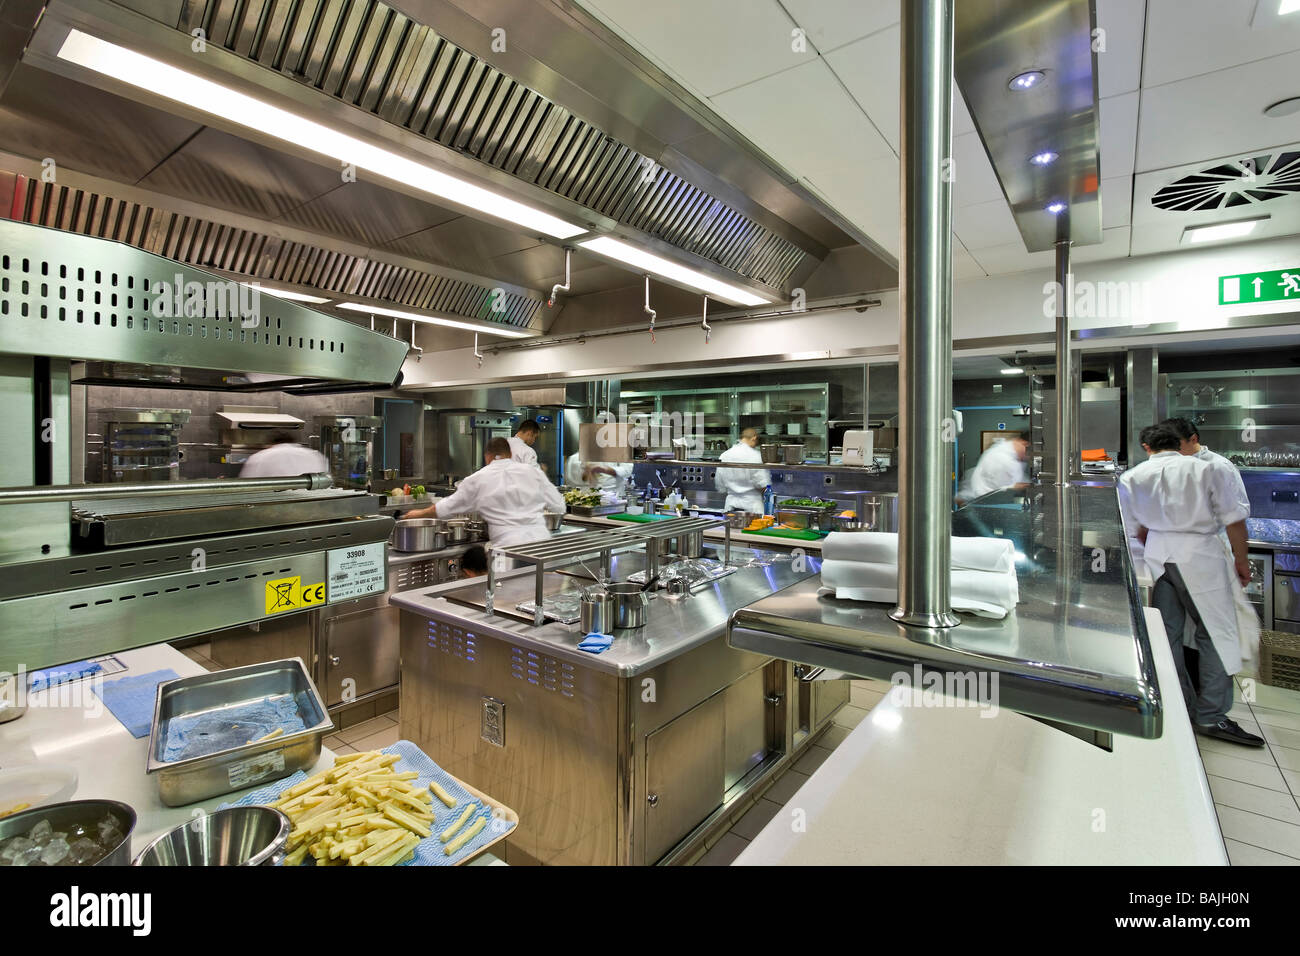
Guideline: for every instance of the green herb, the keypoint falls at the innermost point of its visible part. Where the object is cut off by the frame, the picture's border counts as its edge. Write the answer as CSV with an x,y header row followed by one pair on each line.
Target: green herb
x,y
806,503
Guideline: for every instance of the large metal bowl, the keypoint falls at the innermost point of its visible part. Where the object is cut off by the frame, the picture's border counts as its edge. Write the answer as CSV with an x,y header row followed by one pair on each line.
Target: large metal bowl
x,y
235,836
419,534
771,454
64,817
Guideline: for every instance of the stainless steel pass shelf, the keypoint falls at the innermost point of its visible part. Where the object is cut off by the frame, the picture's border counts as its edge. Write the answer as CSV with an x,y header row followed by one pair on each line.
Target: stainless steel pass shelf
x,y
865,471
1074,650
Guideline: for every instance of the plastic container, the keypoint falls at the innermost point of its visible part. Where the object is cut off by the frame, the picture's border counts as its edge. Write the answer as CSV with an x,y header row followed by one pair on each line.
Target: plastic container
x,y
36,785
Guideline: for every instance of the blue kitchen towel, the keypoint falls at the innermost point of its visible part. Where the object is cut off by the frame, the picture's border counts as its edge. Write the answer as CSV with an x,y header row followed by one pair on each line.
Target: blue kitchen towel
x,y
429,851
53,676
595,643
131,699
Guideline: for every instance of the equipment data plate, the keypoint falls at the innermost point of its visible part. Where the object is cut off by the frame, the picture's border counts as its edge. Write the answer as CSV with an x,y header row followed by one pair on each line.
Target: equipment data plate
x,y
355,572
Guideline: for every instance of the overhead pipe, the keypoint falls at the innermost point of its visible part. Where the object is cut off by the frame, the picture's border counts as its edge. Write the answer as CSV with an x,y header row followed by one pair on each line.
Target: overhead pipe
x,y
708,329
649,311
477,354
557,288
419,352
925,311
1065,463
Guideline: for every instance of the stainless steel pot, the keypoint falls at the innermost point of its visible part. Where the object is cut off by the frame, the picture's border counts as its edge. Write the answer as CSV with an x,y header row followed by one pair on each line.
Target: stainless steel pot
x,y
419,534
87,813
458,530
793,454
477,529
631,604
553,519
235,836
740,520
597,613
770,453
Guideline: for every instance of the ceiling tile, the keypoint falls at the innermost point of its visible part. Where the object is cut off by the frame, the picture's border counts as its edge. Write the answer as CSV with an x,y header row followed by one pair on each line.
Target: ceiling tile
x,y
831,24
986,224
1190,37
1207,115
1119,65
712,46
870,69
1012,257
964,265
1118,122
864,192
1116,201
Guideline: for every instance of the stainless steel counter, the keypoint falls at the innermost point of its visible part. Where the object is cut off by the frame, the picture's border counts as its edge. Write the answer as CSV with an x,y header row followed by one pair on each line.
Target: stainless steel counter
x,y
674,626
1075,649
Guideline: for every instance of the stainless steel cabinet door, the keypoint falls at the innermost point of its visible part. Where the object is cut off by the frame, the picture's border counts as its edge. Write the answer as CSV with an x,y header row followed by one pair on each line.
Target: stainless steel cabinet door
x,y
684,775
748,731
363,648
1286,599
828,696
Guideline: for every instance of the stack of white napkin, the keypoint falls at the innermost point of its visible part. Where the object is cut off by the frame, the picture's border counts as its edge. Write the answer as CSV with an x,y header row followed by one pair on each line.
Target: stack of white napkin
x,y
863,566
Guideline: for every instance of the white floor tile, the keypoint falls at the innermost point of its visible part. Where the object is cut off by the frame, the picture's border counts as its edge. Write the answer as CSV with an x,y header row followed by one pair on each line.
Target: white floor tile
x,y
1278,698
813,757
1263,832
364,729
724,851
345,749
333,742
385,738
849,716
1287,758
1261,800
1214,746
1244,771
1243,854
756,818
389,715
784,789
1293,782
1275,718
1280,736
833,737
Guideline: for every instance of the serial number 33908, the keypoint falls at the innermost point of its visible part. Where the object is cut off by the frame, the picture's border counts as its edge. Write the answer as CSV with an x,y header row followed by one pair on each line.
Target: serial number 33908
x,y
357,554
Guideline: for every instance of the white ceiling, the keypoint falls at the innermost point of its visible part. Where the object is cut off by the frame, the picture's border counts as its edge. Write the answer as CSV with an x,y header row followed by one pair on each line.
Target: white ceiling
x,y
1183,84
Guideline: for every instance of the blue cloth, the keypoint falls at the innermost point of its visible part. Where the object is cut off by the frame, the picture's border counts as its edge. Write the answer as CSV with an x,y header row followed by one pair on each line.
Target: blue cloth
x,y
131,699
429,851
197,735
595,643
53,676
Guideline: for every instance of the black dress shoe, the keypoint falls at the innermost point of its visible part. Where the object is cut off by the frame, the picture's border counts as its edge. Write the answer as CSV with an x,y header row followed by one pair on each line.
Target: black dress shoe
x,y
1228,729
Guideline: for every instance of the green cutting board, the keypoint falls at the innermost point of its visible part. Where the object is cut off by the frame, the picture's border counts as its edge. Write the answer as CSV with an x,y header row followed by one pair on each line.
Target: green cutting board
x,y
786,533
640,519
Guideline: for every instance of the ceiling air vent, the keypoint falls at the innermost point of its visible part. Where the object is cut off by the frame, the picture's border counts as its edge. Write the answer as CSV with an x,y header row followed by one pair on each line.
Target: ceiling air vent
x,y
1243,182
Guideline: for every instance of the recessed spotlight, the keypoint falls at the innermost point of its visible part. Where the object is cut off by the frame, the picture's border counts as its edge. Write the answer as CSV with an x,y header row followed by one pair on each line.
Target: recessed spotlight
x,y
1284,107
1222,230
1056,208
1045,158
1027,80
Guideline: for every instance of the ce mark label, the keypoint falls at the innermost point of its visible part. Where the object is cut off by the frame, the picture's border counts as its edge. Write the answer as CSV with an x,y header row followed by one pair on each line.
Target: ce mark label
x,y
290,594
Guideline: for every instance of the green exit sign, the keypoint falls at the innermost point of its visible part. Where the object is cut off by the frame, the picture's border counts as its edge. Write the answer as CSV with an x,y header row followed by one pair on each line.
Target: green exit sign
x,y
1260,287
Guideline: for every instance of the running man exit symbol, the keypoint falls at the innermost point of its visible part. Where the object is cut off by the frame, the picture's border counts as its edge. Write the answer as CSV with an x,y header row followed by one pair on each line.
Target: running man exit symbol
x,y
1276,286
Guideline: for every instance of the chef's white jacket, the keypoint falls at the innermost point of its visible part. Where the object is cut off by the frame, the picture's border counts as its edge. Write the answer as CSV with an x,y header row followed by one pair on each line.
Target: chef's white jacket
x,y
521,451
999,467
511,497
1180,500
743,486
615,484
285,460
1230,486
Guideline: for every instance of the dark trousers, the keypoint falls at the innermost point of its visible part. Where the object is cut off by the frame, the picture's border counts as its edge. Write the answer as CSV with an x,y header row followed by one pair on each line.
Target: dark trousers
x,y
1209,701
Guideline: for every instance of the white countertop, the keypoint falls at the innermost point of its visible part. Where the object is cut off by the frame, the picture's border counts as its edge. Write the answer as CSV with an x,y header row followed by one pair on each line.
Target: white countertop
x,y
110,763
943,785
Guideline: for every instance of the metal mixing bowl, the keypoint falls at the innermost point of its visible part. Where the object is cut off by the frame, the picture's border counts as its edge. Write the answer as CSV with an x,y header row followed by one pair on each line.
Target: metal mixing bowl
x,y
235,836
553,519
64,816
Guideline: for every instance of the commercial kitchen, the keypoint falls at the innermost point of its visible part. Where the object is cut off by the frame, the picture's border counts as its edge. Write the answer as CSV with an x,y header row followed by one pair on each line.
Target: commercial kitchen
x,y
758,284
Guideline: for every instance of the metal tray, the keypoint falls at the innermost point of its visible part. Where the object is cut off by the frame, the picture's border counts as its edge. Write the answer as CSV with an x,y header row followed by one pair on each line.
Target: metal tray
x,y
592,511
235,763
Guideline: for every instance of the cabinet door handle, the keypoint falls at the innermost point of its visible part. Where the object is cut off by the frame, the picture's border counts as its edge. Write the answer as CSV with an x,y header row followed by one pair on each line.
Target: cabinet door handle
x,y
653,799
334,660
774,699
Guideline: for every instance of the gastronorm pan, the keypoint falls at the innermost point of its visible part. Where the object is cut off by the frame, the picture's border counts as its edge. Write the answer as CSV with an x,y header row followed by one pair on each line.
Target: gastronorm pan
x,y
221,754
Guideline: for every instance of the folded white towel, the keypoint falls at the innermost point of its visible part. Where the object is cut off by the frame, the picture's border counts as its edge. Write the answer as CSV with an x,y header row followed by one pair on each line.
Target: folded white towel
x,y
986,593
881,547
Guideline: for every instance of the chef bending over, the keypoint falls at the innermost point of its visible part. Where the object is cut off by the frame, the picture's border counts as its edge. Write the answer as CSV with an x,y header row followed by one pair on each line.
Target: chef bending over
x,y
744,486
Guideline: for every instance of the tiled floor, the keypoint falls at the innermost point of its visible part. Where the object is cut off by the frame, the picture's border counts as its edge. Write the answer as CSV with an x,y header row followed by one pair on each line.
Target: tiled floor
x,y
1256,791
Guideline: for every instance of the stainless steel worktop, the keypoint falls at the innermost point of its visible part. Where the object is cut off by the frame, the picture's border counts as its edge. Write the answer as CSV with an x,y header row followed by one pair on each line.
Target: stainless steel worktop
x,y
1074,650
675,625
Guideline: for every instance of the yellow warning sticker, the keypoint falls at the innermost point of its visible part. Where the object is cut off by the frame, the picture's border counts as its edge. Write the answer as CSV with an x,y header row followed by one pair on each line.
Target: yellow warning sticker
x,y
290,594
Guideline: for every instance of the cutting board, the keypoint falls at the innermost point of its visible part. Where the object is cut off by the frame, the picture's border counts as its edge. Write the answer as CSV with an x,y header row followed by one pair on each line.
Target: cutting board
x,y
640,519
788,533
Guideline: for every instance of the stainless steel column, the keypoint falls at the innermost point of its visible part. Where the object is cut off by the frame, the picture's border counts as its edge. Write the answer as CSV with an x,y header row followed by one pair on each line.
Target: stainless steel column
x,y
1065,463
925,310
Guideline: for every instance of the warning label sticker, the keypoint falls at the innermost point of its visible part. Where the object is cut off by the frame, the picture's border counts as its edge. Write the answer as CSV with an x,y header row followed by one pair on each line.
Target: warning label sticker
x,y
290,594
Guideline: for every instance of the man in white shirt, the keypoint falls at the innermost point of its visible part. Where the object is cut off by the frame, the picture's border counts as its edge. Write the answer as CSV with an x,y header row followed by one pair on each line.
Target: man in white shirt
x,y
743,486
610,477
1175,505
510,495
523,440
284,458
1002,466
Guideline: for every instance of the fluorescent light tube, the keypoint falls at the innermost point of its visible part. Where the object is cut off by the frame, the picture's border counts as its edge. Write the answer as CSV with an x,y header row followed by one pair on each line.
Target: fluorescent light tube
x,y
488,327
665,268
1288,6
1012,371
286,294
1223,230
162,79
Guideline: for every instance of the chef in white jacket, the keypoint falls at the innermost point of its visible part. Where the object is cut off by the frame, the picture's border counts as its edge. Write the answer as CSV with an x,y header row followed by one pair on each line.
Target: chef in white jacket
x,y
1175,503
743,486
610,477
1231,487
523,440
510,496
284,458
1002,466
